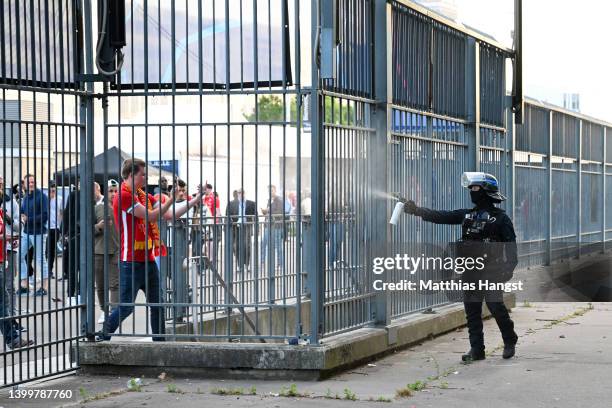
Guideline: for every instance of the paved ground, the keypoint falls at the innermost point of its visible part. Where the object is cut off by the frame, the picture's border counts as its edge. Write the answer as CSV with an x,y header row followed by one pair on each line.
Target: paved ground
x,y
564,355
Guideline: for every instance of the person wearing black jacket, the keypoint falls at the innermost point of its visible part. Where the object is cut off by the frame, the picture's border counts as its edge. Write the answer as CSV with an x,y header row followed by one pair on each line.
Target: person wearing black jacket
x,y
242,213
71,230
485,229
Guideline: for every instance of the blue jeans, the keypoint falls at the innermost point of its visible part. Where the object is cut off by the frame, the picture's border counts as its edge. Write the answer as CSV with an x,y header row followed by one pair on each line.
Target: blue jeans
x,y
273,243
336,236
276,236
39,244
7,325
307,255
134,276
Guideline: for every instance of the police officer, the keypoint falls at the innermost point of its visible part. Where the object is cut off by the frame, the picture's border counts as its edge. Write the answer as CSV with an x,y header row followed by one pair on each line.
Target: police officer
x,y
483,226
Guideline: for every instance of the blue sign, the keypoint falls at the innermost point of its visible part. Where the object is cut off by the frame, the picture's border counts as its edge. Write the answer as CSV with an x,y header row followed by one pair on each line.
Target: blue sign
x,y
171,166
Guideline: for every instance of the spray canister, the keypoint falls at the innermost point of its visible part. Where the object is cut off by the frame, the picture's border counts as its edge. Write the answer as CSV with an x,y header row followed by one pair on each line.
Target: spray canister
x,y
397,211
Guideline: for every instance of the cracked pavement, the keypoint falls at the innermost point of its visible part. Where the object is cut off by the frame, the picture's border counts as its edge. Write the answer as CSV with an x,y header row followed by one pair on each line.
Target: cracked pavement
x,y
563,359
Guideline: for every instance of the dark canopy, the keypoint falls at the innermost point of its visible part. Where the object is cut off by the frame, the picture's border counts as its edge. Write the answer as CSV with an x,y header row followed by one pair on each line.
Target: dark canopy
x,y
114,159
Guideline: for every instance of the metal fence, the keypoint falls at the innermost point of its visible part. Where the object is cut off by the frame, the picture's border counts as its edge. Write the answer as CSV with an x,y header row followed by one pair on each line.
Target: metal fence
x,y
561,211
42,127
448,115
297,162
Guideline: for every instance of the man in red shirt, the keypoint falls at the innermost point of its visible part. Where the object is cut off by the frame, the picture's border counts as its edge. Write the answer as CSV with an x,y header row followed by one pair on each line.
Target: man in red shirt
x,y
213,216
211,199
136,215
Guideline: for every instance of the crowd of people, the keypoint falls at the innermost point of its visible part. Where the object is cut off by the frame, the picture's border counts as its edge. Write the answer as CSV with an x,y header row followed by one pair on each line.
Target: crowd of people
x,y
140,239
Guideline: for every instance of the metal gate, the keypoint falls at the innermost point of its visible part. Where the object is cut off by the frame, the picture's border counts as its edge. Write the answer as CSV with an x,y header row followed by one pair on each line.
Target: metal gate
x,y
43,116
210,95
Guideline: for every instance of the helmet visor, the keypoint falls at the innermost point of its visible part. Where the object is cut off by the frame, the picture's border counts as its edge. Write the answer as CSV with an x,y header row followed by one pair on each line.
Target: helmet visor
x,y
469,178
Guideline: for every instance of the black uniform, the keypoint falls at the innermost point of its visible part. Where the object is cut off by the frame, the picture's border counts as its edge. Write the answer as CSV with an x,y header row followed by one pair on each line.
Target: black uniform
x,y
491,230
71,229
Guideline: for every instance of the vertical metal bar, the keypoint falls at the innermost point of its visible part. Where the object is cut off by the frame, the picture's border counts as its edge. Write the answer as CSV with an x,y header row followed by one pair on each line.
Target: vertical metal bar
x,y
298,126
39,182
382,121
227,249
472,103
579,201
477,106
549,183
106,263
87,154
603,189
318,160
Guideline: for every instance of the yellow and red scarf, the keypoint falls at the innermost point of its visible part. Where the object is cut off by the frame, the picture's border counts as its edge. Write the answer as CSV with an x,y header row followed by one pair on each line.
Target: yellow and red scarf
x,y
155,243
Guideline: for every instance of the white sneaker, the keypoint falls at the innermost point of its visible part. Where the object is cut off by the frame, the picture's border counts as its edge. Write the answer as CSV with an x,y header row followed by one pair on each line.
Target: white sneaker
x,y
101,319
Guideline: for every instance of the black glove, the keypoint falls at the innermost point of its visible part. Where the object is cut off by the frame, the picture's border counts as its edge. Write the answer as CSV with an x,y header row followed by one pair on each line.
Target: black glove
x,y
8,220
410,207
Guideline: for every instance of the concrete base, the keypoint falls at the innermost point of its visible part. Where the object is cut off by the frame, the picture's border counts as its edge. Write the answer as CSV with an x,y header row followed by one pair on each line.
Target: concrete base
x,y
276,321
267,361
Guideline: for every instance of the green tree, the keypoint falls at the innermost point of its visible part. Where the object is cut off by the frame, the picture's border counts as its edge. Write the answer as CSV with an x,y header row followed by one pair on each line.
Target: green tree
x,y
334,113
270,110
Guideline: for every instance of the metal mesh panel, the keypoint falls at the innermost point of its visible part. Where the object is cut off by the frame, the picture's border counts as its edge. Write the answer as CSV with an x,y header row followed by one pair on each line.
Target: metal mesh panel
x,y
411,58
354,59
591,196
592,142
492,85
530,214
348,191
38,45
448,87
533,135
427,158
566,130
428,64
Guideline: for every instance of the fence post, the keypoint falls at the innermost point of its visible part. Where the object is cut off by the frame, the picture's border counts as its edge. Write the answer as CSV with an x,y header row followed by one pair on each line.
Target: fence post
x,y
510,148
579,172
549,184
603,191
477,104
472,103
317,271
86,153
381,235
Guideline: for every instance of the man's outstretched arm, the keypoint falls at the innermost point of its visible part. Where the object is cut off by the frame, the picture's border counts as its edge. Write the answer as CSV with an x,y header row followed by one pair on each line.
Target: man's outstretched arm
x,y
435,216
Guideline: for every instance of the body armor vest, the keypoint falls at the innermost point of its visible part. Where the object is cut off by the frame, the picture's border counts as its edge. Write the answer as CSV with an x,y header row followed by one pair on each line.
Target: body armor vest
x,y
480,225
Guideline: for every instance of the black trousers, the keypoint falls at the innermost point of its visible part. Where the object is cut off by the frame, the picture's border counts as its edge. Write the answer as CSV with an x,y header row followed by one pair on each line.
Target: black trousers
x,y
70,259
473,313
52,237
241,245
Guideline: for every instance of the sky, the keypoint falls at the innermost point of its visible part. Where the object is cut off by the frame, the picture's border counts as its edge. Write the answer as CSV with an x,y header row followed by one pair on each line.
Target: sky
x,y
566,47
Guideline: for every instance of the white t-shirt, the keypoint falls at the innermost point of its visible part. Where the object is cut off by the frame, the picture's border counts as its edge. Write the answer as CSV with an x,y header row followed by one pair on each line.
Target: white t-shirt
x,y
56,205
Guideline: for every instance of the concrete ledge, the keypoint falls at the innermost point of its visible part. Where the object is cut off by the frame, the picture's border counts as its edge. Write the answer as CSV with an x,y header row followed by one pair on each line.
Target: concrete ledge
x,y
252,360
276,321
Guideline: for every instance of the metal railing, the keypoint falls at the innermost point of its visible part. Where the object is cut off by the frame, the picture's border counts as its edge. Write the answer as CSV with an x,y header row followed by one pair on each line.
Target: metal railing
x,y
561,212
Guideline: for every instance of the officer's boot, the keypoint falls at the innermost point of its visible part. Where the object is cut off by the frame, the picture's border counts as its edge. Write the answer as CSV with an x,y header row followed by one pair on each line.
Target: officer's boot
x,y
509,350
473,355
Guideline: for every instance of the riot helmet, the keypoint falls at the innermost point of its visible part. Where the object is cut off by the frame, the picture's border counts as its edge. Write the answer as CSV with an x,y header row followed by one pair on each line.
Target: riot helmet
x,y
487,183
